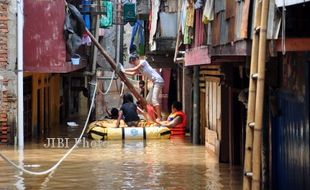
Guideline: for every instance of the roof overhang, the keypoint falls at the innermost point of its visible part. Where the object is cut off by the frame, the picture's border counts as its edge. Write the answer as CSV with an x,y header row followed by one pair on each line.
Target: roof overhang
x,y
281,3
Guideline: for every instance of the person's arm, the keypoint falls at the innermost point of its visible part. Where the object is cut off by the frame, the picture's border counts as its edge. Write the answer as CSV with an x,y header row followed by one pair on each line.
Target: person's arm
x,y
134,70
120,115
131,73
146,116
106,109
177,120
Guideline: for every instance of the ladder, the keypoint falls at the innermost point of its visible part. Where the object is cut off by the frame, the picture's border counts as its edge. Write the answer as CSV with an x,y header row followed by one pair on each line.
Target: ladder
x,y
253,141
120,74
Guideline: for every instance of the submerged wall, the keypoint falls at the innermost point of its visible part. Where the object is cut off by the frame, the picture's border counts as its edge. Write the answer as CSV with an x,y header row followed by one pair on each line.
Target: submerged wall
x,y
8,82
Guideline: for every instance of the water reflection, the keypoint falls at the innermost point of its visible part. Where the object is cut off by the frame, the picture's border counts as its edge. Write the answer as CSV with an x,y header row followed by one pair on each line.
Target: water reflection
x,y
20,180
162,164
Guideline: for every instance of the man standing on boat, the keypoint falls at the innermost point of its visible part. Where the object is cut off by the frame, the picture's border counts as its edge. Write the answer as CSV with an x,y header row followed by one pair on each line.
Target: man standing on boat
x,y
143,67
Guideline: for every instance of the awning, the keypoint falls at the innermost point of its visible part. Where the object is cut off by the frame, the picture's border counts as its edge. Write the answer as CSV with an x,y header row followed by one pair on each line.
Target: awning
x,y
281,3
197,56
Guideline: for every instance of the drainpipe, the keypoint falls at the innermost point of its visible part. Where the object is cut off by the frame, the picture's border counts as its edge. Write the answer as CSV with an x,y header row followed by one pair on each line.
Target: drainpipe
x,y
20,82
95,23
196,109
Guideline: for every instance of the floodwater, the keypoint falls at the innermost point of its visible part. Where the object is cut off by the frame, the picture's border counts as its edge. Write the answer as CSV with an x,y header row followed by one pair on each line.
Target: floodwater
x,y
156,164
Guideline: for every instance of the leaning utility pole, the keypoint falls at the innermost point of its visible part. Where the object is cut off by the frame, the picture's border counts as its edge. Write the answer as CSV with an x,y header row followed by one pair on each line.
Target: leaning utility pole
x,y
120,74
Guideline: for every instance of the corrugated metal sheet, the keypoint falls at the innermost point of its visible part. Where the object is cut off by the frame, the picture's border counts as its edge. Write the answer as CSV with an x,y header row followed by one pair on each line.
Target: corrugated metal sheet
x,y
230,8
209,38
290,140
231,29
224,29
216,28
219,5
238,21
199,29
274,21
290,129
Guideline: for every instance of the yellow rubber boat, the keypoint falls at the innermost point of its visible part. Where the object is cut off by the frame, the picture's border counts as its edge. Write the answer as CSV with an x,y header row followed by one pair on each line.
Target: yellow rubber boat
x,y
106,130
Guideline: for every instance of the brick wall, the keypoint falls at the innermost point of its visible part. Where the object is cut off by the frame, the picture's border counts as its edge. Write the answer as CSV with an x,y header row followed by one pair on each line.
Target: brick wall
x,y
7,81
3,33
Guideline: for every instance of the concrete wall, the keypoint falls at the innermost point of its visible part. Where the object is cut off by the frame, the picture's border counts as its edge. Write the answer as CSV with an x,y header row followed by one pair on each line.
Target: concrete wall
x,y
108,42
8,82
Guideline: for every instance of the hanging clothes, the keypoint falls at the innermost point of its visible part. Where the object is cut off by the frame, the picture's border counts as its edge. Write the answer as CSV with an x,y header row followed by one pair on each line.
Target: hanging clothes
x,y
208,12
86,17
198,4
189,23
86,40
190,14
106,20
183,15
74,28
187,39
153,23
137,42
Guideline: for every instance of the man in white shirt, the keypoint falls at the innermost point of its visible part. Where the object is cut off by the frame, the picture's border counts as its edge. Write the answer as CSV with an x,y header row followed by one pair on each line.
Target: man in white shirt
x,y
143,67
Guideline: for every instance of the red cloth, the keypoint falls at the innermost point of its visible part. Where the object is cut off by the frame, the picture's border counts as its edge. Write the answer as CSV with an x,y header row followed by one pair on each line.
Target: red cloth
x,y
150,110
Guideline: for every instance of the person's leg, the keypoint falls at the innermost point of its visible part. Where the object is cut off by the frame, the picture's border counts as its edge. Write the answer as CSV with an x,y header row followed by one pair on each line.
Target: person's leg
x,y
150,95
158,112
155,99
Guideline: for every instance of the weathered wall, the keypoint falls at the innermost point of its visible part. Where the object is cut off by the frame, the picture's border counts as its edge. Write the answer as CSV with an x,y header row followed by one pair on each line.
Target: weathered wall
x,y
108,42
7,65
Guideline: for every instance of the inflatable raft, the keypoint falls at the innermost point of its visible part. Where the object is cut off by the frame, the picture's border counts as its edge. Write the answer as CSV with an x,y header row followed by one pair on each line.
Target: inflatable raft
x,y
106,130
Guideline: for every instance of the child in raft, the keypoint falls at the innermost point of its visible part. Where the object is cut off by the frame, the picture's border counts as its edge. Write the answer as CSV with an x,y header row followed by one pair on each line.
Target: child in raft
x,y
113,114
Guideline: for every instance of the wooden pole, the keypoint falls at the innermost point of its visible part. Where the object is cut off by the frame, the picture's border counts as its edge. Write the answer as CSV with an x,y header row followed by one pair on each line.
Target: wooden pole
x,y
257,139
120,74
96,20
196,109
251,102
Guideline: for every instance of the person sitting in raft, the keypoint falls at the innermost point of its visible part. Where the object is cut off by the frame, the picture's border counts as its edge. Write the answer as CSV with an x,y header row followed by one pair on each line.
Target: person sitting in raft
x,y
113,114
177,118
128,111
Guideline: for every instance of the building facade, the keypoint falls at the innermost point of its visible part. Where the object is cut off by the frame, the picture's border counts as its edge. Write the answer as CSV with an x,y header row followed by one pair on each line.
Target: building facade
x,y
8,77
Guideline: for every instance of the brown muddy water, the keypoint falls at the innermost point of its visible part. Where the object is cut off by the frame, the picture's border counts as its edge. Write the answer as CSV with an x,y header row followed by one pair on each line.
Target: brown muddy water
x,y
153,164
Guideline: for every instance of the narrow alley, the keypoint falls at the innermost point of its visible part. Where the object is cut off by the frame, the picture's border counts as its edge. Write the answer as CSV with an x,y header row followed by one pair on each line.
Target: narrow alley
x,y
155,94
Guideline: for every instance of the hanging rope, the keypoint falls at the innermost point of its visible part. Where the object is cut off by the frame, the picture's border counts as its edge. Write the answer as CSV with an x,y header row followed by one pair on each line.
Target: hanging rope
x,y
109,87
64,156
121,93
122,89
